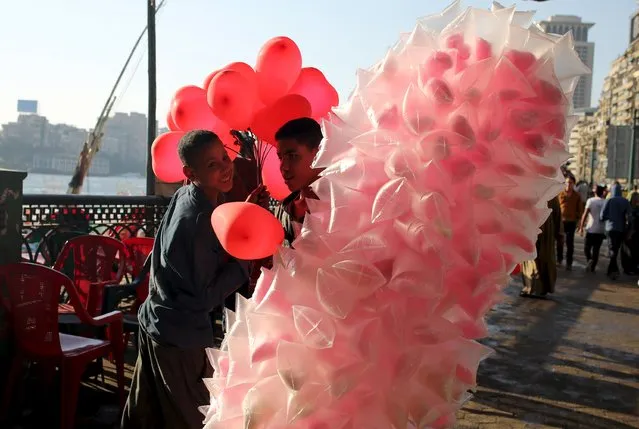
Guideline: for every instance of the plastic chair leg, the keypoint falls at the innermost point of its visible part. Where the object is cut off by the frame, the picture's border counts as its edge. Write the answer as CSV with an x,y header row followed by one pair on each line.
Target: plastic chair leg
x,y
14,374
70,384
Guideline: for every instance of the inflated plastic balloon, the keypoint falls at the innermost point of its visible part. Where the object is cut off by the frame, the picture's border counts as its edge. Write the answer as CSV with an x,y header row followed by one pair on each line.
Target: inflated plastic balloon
x,y
190,110
247,231
170,124
271,175
312,85
187,92
231,98
209,78
271,118
166,163
278,65
437,173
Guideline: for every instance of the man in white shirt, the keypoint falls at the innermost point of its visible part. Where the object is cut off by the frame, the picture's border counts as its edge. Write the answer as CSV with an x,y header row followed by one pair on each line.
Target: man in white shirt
x,y
595,228
582,190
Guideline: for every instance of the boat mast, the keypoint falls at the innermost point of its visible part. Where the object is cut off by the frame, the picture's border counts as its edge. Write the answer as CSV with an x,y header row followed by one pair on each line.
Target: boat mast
x,y
94,139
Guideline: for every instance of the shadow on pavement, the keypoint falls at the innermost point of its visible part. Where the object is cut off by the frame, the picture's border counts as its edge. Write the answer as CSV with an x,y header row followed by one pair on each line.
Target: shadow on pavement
x,y
545,355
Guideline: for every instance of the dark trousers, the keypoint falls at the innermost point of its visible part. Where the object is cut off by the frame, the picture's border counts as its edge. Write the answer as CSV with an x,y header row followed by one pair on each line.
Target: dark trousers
x,y
615,239
569,233
167,387
591,248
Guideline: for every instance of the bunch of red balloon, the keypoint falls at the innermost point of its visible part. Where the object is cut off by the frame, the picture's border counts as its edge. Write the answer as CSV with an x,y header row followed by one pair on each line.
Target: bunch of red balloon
x,y
240,97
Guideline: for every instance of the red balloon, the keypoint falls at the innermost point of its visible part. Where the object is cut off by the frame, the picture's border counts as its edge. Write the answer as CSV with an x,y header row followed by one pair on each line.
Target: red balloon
x,y
223,131
269,119
209,78
251,78
187,92
231,99
278,65
245,70
312,84
247,231
190,111
271,174
165,161
170,124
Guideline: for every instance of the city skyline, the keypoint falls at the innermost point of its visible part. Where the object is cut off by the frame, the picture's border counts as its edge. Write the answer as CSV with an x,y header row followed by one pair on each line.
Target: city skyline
x,y
70,72
34,143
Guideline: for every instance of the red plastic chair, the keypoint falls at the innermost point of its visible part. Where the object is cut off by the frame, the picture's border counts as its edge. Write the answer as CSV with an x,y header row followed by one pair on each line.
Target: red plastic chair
x,y
139,248
94,259
32,305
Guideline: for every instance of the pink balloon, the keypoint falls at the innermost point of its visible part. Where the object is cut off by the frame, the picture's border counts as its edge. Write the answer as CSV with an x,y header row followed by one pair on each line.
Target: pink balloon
x,y
271,175
232,98
268,120
278,66
312,85
190,111
166,163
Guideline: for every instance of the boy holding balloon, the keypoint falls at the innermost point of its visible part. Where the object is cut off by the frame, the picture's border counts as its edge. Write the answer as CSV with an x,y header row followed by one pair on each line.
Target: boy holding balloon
x,y
190,276
297,144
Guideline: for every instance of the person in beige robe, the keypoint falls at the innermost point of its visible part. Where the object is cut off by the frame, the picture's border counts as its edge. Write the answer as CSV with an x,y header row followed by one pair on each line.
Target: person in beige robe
x,y
540,274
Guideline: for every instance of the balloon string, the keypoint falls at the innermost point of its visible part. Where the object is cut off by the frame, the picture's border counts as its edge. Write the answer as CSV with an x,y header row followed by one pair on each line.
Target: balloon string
x,y
231,149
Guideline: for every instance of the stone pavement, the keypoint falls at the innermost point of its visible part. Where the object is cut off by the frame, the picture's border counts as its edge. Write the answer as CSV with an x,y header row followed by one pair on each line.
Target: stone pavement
x,y
571,361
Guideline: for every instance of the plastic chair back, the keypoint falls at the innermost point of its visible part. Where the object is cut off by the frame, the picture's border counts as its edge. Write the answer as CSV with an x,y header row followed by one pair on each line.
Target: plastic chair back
x,y
97,262
139,250
32,305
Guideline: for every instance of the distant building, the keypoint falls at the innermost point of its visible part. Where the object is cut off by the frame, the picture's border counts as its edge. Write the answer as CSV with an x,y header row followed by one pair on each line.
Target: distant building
x,y
582,144
123,145
634,26
125,135
28,128
562,24
618,106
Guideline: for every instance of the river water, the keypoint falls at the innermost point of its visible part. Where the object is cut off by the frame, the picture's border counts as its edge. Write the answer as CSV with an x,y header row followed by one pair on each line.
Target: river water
x,y
57,184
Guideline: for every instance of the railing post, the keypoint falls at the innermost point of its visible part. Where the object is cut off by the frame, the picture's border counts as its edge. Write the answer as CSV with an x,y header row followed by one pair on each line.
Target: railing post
x,y
10,247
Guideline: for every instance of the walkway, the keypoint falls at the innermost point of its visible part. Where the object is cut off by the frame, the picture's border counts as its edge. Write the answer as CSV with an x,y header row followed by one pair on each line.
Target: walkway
x,y
571,361
568,362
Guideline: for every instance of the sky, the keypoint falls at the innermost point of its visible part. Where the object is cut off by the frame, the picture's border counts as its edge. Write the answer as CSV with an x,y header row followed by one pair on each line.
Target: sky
x,y
67,54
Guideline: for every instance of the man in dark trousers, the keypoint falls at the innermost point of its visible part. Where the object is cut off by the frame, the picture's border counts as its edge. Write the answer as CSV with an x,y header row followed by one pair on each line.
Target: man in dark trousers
x,y
615,213
571,210
190,276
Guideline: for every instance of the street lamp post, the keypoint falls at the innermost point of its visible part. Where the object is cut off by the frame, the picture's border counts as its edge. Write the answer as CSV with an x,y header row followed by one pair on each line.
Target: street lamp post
x,y
152,122
593,151
633,149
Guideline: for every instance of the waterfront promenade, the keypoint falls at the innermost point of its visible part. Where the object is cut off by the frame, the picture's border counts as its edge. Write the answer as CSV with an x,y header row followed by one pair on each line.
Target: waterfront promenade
x,y
571,361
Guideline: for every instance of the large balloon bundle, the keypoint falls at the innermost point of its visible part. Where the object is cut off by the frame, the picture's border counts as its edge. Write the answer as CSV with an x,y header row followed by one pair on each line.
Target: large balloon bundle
x,y
437,174
240,97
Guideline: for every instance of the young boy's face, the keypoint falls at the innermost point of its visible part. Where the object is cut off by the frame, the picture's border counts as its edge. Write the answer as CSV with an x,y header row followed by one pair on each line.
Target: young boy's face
x,y
295,164
213,169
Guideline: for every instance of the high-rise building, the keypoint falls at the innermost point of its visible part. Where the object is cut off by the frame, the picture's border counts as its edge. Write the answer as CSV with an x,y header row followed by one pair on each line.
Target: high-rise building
x,y
562,24
618,107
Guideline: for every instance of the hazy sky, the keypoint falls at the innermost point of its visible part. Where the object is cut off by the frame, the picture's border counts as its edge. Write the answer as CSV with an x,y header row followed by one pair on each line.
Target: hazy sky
x,y
67,53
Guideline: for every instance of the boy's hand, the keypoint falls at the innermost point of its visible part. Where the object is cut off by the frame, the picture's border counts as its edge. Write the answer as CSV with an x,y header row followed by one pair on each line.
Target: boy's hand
x,y
259,196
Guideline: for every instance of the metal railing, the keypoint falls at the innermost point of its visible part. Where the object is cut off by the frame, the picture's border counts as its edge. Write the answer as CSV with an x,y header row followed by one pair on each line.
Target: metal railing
x,y
116,216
